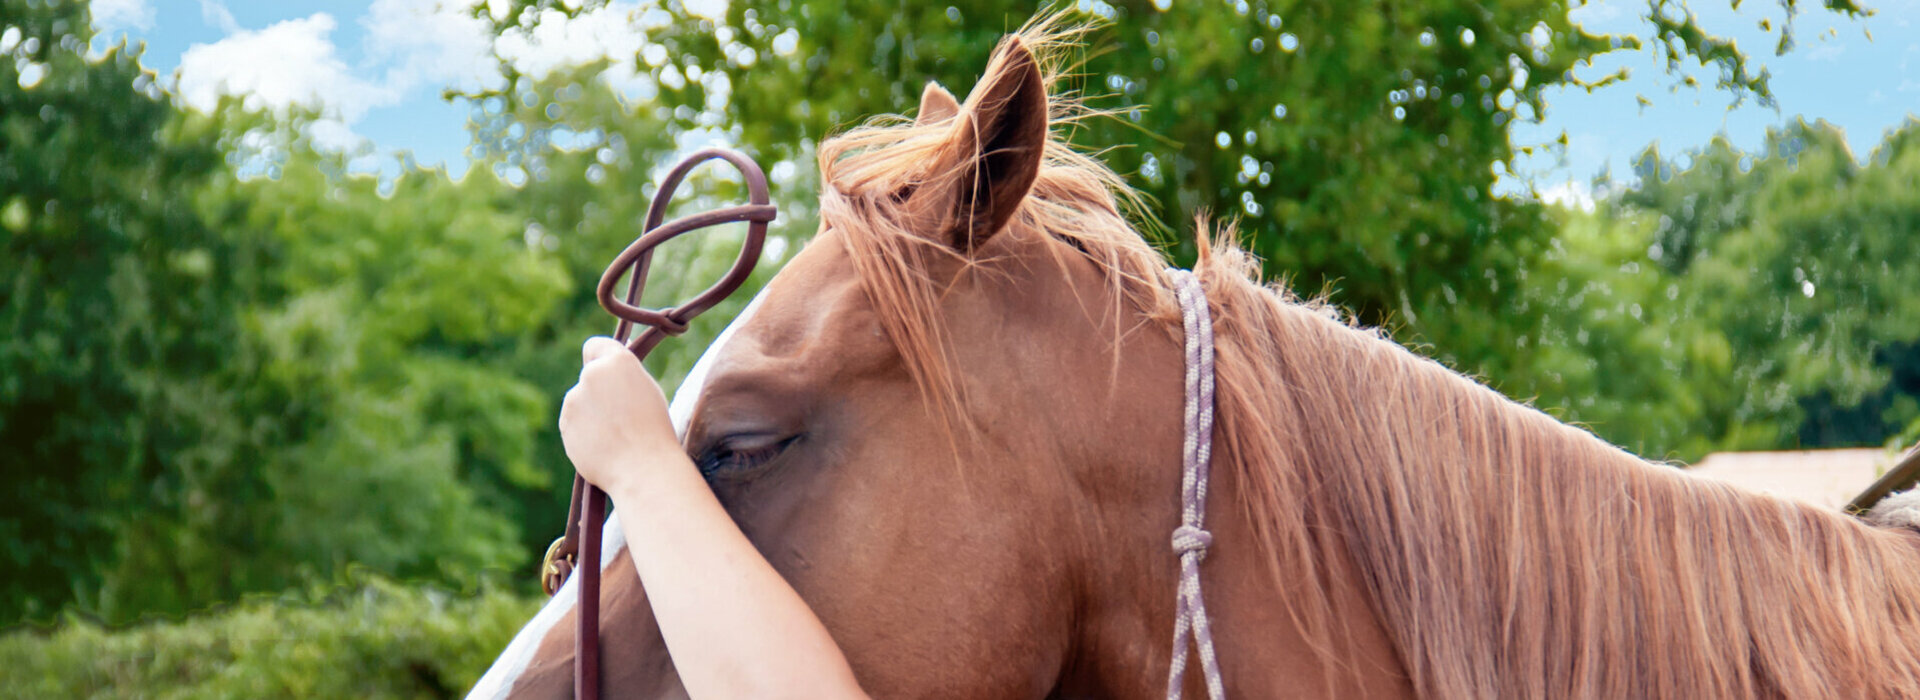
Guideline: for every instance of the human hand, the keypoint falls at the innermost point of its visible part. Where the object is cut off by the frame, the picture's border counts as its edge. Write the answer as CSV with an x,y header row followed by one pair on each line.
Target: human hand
x,y
614,421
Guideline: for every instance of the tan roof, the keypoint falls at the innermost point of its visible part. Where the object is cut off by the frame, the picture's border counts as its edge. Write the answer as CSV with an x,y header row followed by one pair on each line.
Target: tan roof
x,y
1828,478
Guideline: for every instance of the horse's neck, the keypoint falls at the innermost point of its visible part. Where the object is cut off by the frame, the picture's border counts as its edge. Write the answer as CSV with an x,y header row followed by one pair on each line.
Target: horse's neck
x,y
1266,640
1126,623
1125,644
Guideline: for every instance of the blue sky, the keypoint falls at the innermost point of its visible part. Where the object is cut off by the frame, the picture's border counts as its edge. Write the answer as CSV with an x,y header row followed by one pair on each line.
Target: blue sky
x,y
325,53
378,68
1836,73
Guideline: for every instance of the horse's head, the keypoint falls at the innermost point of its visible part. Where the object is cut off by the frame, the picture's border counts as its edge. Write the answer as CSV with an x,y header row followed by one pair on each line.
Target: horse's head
x,y
954,422
925,426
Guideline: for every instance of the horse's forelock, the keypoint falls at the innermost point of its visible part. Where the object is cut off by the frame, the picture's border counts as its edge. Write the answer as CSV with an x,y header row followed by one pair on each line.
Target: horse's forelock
x,y
869,171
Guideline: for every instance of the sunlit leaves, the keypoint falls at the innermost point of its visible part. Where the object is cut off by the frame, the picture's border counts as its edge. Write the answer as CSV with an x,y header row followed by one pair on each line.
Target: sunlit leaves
x,y
1742,301
1353,140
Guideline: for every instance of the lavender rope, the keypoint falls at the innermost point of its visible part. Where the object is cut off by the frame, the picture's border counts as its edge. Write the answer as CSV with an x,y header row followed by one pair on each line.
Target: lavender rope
x,y
1190,540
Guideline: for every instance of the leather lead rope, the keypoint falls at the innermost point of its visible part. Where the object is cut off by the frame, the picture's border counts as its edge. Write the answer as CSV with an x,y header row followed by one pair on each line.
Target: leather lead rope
x,y
579,548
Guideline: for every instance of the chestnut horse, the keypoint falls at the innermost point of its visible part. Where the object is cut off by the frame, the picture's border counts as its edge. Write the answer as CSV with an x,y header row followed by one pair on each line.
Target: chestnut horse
x,y
953,422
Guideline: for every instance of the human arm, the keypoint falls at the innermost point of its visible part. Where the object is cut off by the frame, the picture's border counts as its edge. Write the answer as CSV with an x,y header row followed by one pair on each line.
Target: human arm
x,y
734,627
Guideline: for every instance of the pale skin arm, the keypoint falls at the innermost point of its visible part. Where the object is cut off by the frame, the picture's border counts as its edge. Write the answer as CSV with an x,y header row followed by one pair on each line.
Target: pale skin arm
x,y
735,628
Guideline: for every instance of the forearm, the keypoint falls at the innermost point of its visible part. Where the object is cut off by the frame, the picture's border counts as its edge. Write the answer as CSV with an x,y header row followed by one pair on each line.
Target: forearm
x,y
735,628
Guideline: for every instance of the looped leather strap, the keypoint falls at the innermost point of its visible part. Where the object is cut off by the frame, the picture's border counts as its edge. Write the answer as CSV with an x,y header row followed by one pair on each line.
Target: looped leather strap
x,y
672,321
579,548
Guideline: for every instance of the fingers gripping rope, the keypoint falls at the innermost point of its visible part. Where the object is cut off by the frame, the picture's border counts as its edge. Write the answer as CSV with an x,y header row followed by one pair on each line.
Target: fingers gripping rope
x,y
1190,540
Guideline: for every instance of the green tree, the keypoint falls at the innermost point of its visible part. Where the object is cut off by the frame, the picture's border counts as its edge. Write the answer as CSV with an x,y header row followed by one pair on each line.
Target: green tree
x,y
385,322
227,366
1814,286
1358,143
372,638
1741,300
117,313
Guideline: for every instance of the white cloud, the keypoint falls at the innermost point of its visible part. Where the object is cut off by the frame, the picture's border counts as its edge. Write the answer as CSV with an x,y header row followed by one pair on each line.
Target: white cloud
x,y
440,42
610,31
411,45
1570,194
334,135
498,9
710,9
216,14
1600,16
114,15
430,42
291,63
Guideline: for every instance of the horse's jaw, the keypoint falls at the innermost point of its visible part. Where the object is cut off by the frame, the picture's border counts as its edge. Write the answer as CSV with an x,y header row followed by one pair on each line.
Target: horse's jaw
x,y
633,656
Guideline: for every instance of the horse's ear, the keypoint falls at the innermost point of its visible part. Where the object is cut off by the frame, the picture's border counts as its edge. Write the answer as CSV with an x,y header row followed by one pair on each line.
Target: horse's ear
x,y
994,153
936,105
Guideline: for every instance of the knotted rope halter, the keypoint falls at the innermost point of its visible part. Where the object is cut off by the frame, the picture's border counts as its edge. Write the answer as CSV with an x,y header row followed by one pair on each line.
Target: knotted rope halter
x,y
1190,540
587,512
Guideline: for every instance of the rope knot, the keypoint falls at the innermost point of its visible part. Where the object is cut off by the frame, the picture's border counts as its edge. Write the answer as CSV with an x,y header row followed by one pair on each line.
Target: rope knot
x,y
1188,538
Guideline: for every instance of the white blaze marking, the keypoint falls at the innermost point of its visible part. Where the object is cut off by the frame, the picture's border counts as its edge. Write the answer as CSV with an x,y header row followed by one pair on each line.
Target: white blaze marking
x,y
500,678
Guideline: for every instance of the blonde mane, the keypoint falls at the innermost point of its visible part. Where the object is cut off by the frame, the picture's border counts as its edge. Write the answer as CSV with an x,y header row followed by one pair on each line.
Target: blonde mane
x,y
1507,554
1511,555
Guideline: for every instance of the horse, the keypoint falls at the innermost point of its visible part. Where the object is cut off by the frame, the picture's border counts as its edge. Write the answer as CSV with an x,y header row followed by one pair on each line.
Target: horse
x,y
953,423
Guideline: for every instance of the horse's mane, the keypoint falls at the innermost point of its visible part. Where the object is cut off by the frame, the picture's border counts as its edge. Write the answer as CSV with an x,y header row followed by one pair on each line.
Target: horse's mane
x,y
1511,555
1506,553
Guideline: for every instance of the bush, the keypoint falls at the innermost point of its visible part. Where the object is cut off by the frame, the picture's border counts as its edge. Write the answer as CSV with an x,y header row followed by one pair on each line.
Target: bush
x,y
373,639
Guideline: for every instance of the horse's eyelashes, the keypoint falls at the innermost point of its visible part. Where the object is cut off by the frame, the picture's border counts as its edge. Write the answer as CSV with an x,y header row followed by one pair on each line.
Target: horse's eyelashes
x,y
737,454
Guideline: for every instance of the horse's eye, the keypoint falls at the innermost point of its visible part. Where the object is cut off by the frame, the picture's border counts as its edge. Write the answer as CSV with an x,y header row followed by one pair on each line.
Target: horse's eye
x,y
736,454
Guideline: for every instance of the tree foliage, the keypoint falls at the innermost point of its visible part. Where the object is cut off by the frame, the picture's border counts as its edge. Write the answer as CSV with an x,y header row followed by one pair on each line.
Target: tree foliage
x,y
216,384
372,639
1357,142
118,315
1741,300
